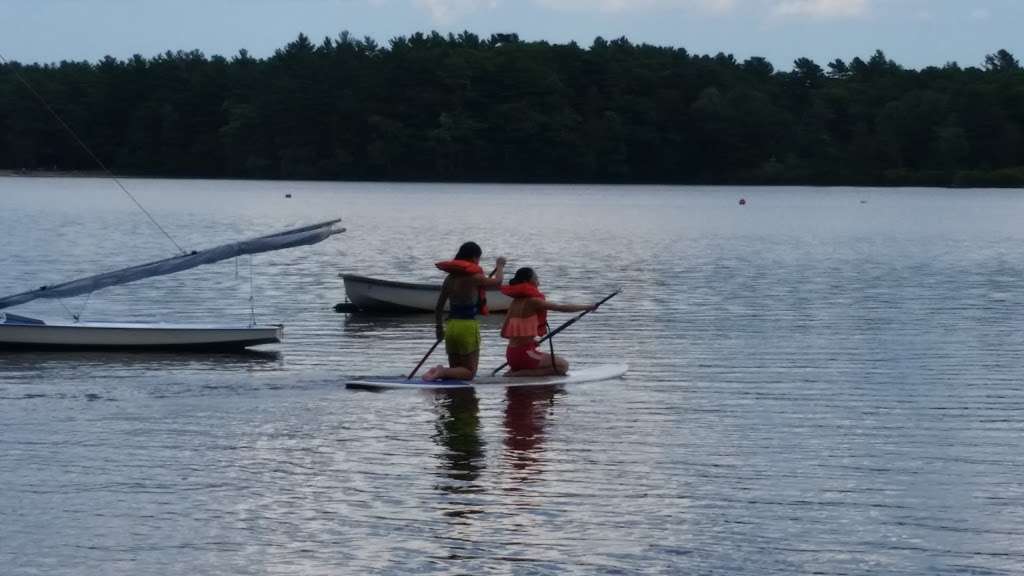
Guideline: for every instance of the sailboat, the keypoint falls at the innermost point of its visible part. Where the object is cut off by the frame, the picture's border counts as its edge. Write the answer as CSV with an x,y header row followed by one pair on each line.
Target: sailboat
x,y
18,331
22,332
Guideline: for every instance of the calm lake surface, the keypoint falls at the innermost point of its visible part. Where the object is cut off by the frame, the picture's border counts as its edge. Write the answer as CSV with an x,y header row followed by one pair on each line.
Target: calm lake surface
x,y
824,381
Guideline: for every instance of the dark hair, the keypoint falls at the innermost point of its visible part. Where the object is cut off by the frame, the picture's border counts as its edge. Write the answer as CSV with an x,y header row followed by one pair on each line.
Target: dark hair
x,y
522,276
469,251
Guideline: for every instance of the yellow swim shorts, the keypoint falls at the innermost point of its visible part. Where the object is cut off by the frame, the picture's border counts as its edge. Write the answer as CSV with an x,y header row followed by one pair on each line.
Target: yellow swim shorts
x,y
462,337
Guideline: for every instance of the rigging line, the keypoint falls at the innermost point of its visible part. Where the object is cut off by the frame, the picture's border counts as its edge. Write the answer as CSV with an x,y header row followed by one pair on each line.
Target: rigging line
x,y
89,152
82,309
66,309
252,296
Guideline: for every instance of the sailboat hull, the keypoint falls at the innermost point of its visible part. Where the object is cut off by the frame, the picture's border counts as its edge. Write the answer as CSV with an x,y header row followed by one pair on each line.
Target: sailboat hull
x,y
110,336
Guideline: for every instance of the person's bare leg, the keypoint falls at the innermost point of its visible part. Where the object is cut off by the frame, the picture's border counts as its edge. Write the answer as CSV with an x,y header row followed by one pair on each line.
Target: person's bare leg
x,y
462,368
434,374
561,366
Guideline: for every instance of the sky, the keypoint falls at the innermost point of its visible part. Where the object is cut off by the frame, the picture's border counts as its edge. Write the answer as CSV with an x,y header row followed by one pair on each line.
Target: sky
x,y
915,33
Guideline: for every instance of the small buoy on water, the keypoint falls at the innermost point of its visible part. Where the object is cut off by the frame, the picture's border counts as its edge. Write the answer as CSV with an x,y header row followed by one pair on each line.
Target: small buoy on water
x,y
287,195
743,201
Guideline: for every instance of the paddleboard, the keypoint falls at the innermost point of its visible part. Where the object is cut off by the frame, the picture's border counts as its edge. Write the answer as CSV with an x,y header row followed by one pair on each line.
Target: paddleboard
x,y
591,374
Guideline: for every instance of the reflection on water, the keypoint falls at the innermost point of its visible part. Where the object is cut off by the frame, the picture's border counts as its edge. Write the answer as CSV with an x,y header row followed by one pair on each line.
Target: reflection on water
x,y
357,323
469,475
16,365
816,386
458,434
526,413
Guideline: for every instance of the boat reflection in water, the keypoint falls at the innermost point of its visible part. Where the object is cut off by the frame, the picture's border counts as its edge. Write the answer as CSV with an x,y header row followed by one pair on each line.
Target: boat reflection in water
x,y
43,362
410,326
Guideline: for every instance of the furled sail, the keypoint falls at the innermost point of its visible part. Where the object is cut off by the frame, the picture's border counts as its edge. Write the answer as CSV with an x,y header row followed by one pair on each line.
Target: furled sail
x,y
288,239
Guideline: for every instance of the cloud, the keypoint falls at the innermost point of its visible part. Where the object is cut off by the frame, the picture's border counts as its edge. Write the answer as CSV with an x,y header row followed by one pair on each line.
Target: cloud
x,y
446,12
617,6
821,9
981,14
449,11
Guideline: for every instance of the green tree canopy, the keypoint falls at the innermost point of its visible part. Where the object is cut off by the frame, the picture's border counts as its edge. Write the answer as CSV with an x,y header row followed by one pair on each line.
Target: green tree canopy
x,y
466,108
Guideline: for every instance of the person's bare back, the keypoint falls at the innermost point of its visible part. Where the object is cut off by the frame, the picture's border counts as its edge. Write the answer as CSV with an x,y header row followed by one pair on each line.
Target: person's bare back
x,y
463,295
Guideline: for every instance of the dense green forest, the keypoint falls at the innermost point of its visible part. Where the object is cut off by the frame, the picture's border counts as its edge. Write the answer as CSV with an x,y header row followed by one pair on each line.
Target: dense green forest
x,y
465,108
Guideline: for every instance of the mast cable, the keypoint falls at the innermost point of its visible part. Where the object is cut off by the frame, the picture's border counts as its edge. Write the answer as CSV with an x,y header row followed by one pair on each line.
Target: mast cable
x,y
252,296
89,152
84,304
66,309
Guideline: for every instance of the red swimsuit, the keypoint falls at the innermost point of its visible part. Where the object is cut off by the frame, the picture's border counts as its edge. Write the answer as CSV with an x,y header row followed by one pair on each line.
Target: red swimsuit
x,y
524,357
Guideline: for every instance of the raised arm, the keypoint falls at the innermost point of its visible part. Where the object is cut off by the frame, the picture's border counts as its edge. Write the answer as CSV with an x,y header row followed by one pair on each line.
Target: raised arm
x,y
554,307
499,275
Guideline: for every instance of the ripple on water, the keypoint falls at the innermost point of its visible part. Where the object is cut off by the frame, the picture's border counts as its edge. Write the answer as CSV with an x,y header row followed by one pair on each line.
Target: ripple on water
x,y
816,386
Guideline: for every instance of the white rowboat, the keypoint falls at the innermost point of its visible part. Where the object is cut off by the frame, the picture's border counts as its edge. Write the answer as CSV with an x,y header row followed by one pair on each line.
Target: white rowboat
x,y
391,297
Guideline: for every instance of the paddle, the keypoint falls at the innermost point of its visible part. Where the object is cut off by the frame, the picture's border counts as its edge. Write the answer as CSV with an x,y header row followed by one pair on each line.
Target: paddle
x,y
552,333
420,365
434,347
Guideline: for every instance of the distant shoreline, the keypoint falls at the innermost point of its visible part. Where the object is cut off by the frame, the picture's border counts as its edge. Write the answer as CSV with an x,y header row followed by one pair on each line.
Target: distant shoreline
x,y
54,174
445,108
963,180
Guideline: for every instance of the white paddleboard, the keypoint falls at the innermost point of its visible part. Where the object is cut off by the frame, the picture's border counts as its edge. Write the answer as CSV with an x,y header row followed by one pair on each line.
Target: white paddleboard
x,y
591,374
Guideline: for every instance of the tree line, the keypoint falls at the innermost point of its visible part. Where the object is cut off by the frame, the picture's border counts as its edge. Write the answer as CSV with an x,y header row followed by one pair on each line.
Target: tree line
x,y
460,107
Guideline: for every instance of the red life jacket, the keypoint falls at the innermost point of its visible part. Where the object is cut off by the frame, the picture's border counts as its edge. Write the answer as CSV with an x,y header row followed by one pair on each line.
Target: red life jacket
x,y
520,291
467,268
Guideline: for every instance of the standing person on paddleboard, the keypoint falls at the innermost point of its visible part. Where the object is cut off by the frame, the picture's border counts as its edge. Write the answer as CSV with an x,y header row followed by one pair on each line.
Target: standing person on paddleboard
x,y
525,321
465,289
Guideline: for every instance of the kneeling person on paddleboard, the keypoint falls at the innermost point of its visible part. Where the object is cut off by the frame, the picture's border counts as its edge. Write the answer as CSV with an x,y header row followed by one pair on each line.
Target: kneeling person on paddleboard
x,y
526,321
465,289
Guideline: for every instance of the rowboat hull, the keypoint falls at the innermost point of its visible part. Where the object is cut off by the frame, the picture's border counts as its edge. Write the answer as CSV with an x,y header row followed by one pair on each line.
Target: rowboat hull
x,y
110,336
390,297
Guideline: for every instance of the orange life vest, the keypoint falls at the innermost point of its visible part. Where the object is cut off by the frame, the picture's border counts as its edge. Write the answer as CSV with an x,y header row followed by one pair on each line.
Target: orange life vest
x,y
535,325
467,268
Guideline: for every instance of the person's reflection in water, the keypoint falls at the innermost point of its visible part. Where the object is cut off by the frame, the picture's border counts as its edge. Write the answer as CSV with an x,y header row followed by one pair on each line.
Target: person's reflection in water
x,y
462,459
458,432
526,413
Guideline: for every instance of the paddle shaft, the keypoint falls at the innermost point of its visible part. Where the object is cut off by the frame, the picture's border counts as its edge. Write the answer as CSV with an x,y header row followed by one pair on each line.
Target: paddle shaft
x,y
420,365
551,345
572,321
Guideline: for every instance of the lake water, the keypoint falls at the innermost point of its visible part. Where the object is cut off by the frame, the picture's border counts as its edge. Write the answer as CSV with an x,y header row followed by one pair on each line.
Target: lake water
x,y
823,381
